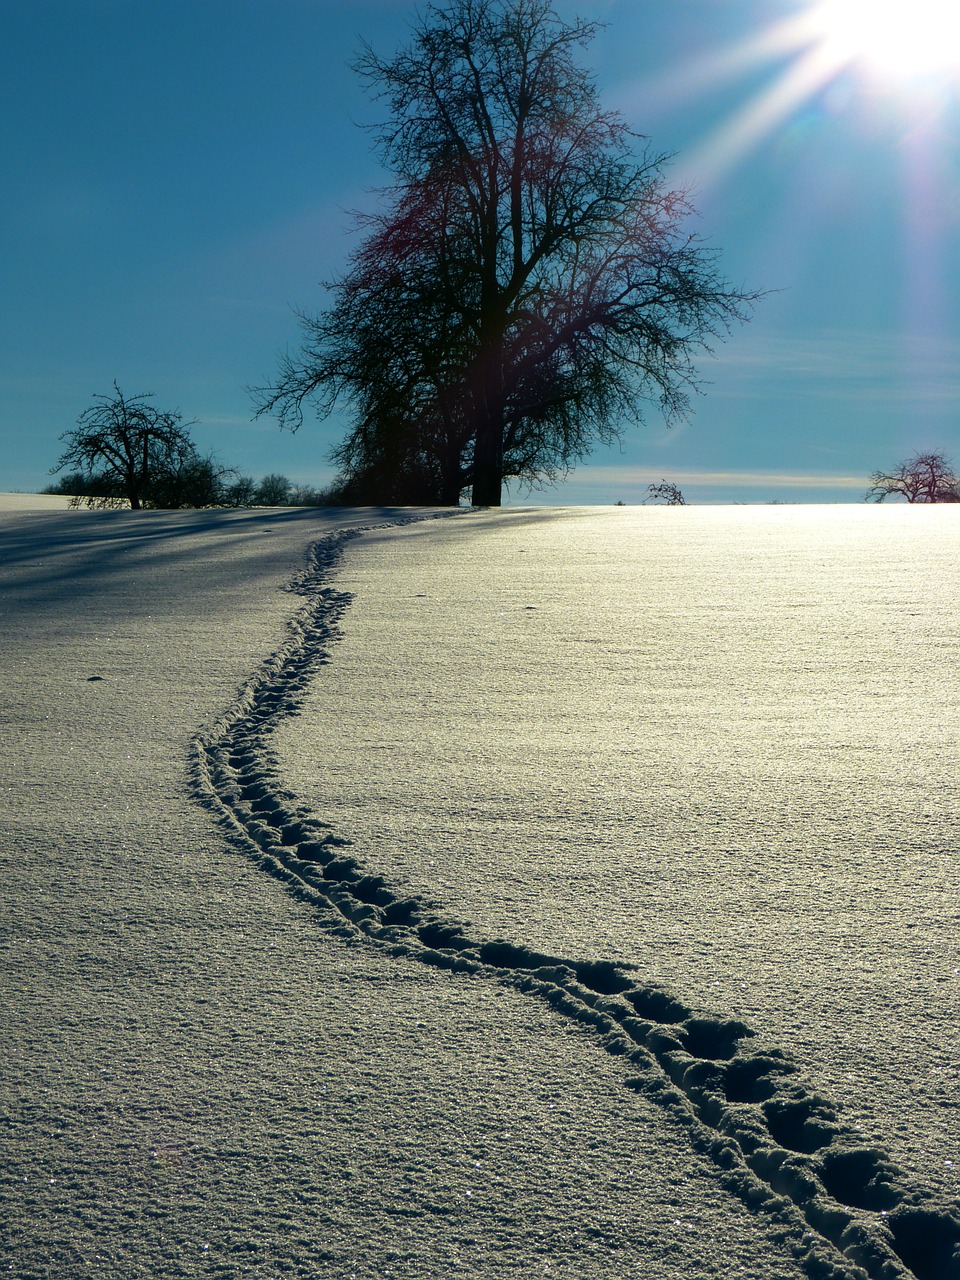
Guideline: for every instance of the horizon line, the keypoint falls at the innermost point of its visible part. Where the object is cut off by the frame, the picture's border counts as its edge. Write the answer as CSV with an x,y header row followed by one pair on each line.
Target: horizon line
x,y
604,475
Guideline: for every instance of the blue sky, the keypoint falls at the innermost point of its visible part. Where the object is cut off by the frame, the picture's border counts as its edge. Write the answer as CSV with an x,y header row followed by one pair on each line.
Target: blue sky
x,y
177,178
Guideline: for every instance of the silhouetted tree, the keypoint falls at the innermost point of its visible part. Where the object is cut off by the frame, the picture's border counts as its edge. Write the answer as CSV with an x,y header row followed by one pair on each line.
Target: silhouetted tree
x,y
136,452
272,491
189,480
307,495
239,491
926,477
529,284
665,492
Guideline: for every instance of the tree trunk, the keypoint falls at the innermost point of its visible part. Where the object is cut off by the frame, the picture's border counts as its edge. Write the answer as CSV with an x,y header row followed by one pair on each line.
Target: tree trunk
x,y
488,453
450,490
488,467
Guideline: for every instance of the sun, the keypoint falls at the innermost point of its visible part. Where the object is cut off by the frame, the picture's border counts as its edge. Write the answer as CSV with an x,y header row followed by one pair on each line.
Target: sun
x,y
901,39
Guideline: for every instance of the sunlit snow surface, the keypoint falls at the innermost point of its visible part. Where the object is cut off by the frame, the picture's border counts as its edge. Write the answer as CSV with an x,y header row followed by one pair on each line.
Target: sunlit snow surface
x,y
197,1078
719,743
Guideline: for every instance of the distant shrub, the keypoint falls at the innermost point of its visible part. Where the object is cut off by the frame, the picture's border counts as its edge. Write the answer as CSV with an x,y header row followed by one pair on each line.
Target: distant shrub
x,y
92,489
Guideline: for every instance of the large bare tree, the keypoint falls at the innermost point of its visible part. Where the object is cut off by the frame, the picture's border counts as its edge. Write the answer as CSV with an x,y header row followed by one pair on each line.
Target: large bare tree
x,y
925,477
529,284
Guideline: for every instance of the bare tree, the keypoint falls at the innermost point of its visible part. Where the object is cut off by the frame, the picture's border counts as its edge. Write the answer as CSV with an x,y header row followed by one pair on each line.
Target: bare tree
x,y
240,491
926,477
531,282
272,491
665,492
130,448
190,480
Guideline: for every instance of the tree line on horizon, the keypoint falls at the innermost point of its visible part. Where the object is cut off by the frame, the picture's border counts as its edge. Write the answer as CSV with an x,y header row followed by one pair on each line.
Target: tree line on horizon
x,y
127,453
213,487
528,285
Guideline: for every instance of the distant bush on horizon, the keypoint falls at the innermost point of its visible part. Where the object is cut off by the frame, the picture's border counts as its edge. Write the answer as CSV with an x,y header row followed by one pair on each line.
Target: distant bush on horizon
x,y
99,491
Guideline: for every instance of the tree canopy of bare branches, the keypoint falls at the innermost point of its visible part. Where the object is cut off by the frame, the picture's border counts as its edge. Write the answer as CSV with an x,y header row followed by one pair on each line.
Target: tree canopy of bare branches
x,y
925,477
127,450
529,284
667,493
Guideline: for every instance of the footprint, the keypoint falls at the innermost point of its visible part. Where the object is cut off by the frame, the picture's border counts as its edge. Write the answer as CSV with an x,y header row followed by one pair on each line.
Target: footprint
x,y
815,1181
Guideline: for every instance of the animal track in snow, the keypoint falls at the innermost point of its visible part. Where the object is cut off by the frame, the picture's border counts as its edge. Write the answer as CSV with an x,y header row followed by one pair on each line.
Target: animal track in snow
x,y
840,1208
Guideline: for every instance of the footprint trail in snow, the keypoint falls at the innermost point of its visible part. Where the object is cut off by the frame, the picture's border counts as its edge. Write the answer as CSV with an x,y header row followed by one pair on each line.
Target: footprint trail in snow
x,y
840,1208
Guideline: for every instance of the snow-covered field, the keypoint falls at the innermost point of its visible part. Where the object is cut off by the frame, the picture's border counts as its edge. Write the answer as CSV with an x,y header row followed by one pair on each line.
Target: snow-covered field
x,y
532,893
34,502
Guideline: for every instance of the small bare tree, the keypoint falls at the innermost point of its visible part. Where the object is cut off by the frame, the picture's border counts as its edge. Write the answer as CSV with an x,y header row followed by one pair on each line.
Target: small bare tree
x,y
130,446
241,491
926,477
665,492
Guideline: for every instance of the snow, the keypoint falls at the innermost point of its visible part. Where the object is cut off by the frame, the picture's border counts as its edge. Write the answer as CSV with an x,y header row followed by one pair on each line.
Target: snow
x,y
33,502
714,749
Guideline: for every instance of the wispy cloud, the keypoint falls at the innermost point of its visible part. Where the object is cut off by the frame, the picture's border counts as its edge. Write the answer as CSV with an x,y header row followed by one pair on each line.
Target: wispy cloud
x,y
597,477
226,420
839,364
